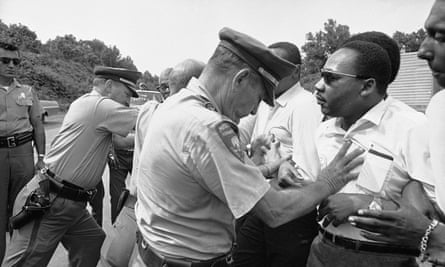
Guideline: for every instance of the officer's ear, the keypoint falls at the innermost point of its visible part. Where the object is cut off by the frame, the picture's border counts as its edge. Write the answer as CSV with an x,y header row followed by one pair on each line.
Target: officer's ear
x,y
241,79
107,87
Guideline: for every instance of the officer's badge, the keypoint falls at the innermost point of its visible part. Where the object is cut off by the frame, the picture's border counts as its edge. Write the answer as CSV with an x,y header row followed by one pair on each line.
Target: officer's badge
x,y
228,135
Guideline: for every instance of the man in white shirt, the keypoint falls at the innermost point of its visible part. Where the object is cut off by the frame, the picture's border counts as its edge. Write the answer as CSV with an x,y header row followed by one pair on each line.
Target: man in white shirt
x,y
292,122
353,91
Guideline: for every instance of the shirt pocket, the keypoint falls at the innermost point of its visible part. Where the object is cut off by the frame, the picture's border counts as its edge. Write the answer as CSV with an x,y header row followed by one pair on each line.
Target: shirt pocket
x,y
24,100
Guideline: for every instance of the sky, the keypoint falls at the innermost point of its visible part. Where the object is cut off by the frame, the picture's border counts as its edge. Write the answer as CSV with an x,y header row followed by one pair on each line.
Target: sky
x,y
160,34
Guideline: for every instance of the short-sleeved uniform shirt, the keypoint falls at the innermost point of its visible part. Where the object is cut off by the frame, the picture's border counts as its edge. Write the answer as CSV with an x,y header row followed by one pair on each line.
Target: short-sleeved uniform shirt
x,y
293,121
142,122
78,152
384,127
193,179
17,104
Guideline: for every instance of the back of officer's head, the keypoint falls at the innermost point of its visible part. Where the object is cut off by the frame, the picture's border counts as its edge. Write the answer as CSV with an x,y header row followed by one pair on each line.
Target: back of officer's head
x,y
371,61
390,45
182,73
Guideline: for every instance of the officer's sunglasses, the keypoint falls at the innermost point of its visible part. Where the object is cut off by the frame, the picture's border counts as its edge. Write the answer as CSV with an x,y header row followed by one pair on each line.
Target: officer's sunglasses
x,y
7,60
330,76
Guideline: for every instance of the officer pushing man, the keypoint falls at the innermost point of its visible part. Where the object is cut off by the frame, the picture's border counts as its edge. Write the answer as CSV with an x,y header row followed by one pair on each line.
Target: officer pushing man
x,y
51,208
195,179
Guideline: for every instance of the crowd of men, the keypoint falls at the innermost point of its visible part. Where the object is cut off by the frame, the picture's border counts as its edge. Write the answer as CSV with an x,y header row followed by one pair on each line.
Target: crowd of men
x,y
239,165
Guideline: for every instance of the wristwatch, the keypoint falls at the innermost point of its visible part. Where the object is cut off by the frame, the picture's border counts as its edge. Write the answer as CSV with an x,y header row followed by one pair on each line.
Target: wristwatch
x,y
41,156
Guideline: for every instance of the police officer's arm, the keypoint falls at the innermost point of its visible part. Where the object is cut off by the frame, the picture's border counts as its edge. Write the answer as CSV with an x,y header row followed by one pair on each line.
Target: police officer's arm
x,y
119,120
35,118
279,207
126,142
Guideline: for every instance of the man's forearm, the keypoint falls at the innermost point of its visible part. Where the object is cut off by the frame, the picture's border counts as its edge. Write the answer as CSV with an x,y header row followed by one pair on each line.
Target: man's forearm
x,y
39,138
279,207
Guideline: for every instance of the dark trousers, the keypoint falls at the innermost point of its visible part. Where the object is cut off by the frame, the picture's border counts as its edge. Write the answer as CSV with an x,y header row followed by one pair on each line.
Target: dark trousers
x,y
118,174
66,221
16,169
285,246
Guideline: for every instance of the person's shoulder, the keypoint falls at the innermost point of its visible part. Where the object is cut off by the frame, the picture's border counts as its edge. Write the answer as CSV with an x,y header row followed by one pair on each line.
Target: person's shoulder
x,y
404,113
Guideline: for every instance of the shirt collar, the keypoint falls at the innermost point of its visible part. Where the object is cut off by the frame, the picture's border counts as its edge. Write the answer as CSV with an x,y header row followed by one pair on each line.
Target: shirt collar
x,y
195,86
289,94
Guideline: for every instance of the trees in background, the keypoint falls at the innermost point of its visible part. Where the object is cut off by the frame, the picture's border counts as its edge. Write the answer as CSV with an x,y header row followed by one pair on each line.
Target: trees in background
x,y
62,68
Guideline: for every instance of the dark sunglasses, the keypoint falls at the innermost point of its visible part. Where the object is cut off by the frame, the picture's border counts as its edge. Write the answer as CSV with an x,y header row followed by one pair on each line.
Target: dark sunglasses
x,y
7,60
330,76
162,86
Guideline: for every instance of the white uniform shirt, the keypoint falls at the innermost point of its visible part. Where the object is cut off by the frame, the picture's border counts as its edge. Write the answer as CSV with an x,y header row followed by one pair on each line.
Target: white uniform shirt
x,y
142,122
293,121
385,127
193,178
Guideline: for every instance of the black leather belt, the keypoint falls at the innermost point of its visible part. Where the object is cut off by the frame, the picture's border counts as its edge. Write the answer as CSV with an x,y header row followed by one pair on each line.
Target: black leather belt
x,y
68,190
15,140
360,245
152,259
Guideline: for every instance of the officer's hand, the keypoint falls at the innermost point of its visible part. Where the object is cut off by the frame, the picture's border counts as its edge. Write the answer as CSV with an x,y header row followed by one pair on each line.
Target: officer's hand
x,y
336,208
259,148
405,225
338,173
39,164
288,176
270,170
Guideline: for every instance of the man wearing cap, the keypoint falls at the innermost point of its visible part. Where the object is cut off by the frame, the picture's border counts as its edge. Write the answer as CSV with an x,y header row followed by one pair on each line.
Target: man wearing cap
x,y
292,122
195,179
74,166
20,124
122,245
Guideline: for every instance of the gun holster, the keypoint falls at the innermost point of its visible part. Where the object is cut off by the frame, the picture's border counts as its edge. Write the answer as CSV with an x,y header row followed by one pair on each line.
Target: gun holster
x,y
36,204
122,199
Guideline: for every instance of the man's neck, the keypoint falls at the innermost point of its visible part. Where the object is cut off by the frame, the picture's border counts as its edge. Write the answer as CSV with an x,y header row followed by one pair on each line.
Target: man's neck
x,y
6,81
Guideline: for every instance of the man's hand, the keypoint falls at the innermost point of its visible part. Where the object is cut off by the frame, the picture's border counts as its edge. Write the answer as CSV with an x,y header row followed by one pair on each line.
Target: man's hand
x,y
39,164
405,225
288,176
338,173
259,148
338,207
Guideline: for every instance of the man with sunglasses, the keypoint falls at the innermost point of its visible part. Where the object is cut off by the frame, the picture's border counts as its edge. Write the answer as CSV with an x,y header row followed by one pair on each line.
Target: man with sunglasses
x,y
352,90
20,123
74,166
426,154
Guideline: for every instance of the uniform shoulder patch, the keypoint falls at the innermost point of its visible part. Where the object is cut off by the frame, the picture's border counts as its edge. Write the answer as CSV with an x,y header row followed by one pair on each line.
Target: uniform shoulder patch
x,y
228,134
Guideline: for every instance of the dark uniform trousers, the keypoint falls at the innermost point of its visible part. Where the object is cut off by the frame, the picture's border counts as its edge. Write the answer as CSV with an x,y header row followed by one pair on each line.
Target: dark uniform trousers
x,y
118,175
16,169
285,246
67,221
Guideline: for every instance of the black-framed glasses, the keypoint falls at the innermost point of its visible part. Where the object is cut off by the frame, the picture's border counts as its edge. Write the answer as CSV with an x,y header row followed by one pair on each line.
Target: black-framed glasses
x,y
7,60
163,86
330,76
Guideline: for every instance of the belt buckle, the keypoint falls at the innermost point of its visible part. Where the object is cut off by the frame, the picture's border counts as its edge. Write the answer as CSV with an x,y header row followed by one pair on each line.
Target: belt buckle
x,y
91,193
11,141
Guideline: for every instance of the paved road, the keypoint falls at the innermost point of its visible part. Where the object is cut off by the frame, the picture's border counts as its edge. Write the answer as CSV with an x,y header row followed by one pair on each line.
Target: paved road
x,y
60,258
